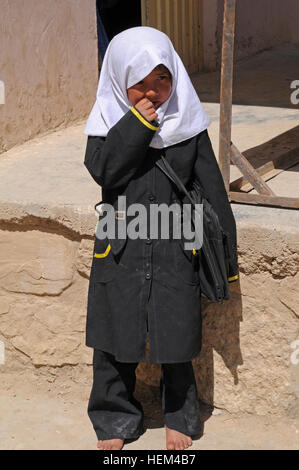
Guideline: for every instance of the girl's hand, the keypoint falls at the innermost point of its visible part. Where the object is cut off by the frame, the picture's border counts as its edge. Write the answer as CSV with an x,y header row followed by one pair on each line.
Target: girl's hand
x,y
147,109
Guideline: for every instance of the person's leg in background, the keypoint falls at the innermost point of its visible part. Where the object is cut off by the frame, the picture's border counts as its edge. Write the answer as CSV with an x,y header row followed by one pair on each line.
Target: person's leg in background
x,y
112,408
179,404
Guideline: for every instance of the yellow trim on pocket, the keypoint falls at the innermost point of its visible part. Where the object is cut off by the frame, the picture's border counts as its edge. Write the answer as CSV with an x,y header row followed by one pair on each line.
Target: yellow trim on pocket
x,y
144,121
232,278
102,255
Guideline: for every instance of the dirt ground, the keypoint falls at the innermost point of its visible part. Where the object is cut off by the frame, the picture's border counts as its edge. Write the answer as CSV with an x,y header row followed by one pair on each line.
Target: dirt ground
x,y
43,411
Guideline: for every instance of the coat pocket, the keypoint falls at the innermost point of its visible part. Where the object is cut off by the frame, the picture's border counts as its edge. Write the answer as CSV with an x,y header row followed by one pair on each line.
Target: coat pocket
x,y
103,264
186,264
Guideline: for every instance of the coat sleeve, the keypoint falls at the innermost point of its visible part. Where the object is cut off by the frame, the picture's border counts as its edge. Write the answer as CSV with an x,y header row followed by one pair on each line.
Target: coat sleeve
x,y
208,173
113,160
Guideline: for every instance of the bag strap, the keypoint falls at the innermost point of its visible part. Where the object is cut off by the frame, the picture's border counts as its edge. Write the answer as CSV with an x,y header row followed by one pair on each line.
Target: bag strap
x,y
169,171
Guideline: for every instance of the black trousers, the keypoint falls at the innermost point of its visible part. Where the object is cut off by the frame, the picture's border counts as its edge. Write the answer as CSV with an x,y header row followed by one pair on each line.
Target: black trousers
x,y
115,412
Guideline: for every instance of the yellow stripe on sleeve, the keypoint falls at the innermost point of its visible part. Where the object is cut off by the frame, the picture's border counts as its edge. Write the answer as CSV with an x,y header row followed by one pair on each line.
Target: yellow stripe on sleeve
x,y
144,121
232,278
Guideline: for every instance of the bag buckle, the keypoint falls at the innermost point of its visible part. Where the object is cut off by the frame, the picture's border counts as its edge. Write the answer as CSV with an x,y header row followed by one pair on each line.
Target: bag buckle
x,y
120,215
99,208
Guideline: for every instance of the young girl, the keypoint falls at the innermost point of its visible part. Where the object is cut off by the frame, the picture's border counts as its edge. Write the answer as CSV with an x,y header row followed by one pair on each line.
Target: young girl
x,y
146,106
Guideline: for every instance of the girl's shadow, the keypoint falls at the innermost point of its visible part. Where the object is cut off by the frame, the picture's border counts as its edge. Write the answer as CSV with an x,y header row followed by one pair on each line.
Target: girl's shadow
x,y
220,332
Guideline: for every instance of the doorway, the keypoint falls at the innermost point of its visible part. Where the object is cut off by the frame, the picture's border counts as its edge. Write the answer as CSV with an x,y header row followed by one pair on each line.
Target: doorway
x,y
114,16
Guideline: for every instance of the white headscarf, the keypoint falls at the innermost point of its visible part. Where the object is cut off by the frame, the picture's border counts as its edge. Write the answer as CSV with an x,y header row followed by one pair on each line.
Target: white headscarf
x,y
130,56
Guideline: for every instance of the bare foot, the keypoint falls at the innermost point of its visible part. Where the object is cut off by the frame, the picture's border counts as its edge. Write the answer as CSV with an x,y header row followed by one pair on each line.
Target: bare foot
x,y
176,440
111,444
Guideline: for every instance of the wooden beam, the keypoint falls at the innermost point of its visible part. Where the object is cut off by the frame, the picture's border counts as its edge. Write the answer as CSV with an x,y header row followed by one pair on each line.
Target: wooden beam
x,y
268,170
249,172
262,199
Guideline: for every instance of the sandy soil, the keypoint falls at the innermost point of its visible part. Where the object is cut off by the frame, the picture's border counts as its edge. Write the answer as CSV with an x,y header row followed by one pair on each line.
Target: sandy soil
x,y
49,412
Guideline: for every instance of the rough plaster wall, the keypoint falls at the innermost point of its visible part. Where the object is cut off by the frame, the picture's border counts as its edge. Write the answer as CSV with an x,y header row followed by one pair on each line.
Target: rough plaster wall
x,y
244,365
260,24
265,23
48,64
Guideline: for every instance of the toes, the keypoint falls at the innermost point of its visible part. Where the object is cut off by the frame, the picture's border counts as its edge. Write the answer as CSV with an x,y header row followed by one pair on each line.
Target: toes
x,y
179,447
170,446
182,445
108,445
100,445
180,441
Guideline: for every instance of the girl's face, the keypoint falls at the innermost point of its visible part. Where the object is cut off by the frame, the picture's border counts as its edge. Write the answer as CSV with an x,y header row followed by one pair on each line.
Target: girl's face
x,y
156,86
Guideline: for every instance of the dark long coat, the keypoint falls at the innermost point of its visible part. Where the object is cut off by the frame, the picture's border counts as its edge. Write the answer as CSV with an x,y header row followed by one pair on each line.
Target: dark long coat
x,y
140,285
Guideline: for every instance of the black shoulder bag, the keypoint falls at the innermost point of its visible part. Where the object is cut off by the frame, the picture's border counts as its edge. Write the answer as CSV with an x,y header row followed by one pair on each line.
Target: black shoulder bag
x,y
215,251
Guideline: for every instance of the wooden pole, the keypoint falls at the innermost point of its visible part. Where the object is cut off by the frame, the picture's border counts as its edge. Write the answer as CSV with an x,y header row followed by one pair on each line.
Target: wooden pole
x,y
226,89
